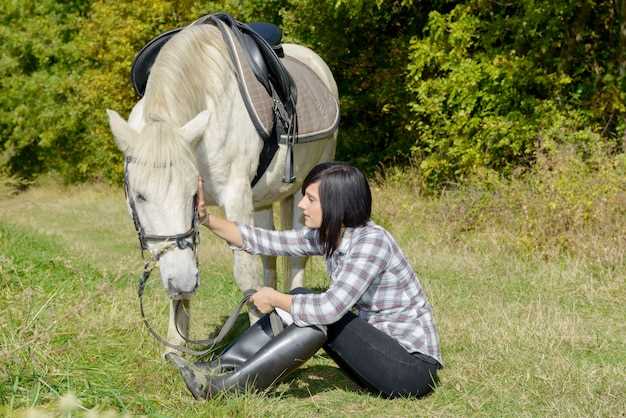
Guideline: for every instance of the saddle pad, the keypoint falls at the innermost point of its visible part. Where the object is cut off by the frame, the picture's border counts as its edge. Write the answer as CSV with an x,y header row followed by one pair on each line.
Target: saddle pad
x,y
317,108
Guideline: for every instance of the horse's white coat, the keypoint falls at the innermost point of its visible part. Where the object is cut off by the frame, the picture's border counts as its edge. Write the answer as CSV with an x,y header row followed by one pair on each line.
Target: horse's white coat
x,y
192,121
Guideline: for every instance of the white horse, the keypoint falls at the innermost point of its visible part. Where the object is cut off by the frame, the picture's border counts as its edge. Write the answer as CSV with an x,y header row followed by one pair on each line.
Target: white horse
x,y
192,121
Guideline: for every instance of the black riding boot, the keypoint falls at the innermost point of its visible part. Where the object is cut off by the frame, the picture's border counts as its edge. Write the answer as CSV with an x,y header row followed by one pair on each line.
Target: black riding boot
x,y
244,347
283,354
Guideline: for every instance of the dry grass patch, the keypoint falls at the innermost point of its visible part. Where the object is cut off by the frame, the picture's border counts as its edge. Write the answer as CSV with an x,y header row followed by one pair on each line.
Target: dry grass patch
x,y
529,327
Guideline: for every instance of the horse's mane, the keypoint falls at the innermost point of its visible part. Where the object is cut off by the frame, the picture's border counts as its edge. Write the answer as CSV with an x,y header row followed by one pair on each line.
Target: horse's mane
x,y
190,69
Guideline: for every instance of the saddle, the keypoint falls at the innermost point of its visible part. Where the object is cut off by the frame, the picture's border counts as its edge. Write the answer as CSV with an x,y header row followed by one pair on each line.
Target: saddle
x,y
269,82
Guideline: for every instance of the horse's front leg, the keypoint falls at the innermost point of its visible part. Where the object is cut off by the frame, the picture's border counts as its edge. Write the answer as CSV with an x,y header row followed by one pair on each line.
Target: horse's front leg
x,y
264,218
247,276
291,218
238,207
178,324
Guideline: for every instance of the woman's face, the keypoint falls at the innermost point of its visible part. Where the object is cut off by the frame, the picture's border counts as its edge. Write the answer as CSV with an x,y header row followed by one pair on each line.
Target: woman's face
x,y
311,206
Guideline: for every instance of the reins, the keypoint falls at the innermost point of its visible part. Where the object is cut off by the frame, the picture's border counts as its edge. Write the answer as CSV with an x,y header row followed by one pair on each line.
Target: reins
x,y
180,241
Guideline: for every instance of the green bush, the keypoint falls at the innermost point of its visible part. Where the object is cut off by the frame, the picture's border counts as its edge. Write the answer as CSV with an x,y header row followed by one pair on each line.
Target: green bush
x,y
36,73
490,81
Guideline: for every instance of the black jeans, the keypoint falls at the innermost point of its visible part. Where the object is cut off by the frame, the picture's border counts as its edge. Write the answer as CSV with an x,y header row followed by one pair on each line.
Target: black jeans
x,y
376,361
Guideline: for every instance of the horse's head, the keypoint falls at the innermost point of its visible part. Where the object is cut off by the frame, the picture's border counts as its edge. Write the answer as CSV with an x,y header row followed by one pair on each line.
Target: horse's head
x,y
161,181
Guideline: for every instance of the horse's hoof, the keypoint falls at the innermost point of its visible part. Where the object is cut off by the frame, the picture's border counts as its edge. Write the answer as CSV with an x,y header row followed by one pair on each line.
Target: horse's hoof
x,y
196,378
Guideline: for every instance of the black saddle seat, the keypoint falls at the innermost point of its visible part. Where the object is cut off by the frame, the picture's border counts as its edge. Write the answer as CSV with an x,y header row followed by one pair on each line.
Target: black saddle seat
x,y
144,59
268,31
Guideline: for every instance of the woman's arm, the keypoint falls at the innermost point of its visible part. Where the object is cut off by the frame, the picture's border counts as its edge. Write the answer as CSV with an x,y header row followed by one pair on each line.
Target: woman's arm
x,y
224,229
366,260
258,241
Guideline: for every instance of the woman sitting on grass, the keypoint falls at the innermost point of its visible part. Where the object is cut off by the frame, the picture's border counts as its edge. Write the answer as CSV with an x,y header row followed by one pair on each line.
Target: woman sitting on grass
x,y
374,321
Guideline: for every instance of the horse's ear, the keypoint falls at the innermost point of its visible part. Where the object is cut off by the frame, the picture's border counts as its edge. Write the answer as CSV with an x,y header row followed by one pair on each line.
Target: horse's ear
x,y
122,132
193,129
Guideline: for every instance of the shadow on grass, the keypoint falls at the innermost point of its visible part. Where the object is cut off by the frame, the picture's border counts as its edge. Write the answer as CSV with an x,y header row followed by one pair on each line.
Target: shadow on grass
x,y
314,380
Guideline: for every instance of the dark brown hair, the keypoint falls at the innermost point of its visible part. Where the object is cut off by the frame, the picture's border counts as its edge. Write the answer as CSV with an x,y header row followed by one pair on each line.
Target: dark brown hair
x,y
345,198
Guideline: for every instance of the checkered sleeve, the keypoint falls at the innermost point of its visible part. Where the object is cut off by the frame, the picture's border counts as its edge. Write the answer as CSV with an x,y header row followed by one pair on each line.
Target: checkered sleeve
x,y
296,242
366,259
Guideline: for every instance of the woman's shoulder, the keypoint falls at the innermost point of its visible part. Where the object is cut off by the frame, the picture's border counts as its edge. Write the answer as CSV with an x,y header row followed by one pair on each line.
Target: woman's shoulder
x,y
371,227
369,231
370,239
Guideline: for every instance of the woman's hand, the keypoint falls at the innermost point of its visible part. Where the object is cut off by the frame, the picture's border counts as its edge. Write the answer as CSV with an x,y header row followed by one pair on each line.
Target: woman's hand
x,y
223,228
263,299
266,299
203,214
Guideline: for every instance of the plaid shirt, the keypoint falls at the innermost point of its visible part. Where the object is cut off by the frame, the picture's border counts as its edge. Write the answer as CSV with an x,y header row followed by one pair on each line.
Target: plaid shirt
x,y
369,273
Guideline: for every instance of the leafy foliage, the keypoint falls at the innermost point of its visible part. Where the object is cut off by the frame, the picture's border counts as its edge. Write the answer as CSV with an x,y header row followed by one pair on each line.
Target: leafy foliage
x,y
457,86
366,46
36,80
489,83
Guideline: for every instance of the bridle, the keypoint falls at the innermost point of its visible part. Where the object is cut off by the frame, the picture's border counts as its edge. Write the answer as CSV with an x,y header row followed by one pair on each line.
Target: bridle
x,y
188,239
180,241
169,242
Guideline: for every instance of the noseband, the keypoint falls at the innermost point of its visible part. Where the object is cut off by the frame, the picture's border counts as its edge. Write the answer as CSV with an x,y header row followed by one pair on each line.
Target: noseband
x,y
179,239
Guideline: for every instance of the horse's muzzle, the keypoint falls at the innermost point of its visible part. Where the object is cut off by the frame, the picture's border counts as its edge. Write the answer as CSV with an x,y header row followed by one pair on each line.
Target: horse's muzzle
x,y
177,292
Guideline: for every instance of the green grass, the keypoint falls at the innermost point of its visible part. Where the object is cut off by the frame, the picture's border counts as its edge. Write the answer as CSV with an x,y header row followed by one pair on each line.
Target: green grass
x,y
522,334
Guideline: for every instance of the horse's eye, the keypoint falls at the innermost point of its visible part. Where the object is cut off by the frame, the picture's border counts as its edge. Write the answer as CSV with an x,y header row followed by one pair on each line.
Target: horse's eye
x,y
141,197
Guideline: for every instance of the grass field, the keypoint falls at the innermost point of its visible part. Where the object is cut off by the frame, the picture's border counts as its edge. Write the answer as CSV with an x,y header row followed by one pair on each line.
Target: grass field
x,y
523,333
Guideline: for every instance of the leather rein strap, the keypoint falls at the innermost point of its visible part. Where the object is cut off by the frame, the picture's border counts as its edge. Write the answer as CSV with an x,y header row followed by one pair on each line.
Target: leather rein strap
x,y
208,343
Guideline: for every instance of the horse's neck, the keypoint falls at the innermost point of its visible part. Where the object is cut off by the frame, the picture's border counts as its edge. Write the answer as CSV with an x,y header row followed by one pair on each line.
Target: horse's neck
x,y
176,112
228,152
181,82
